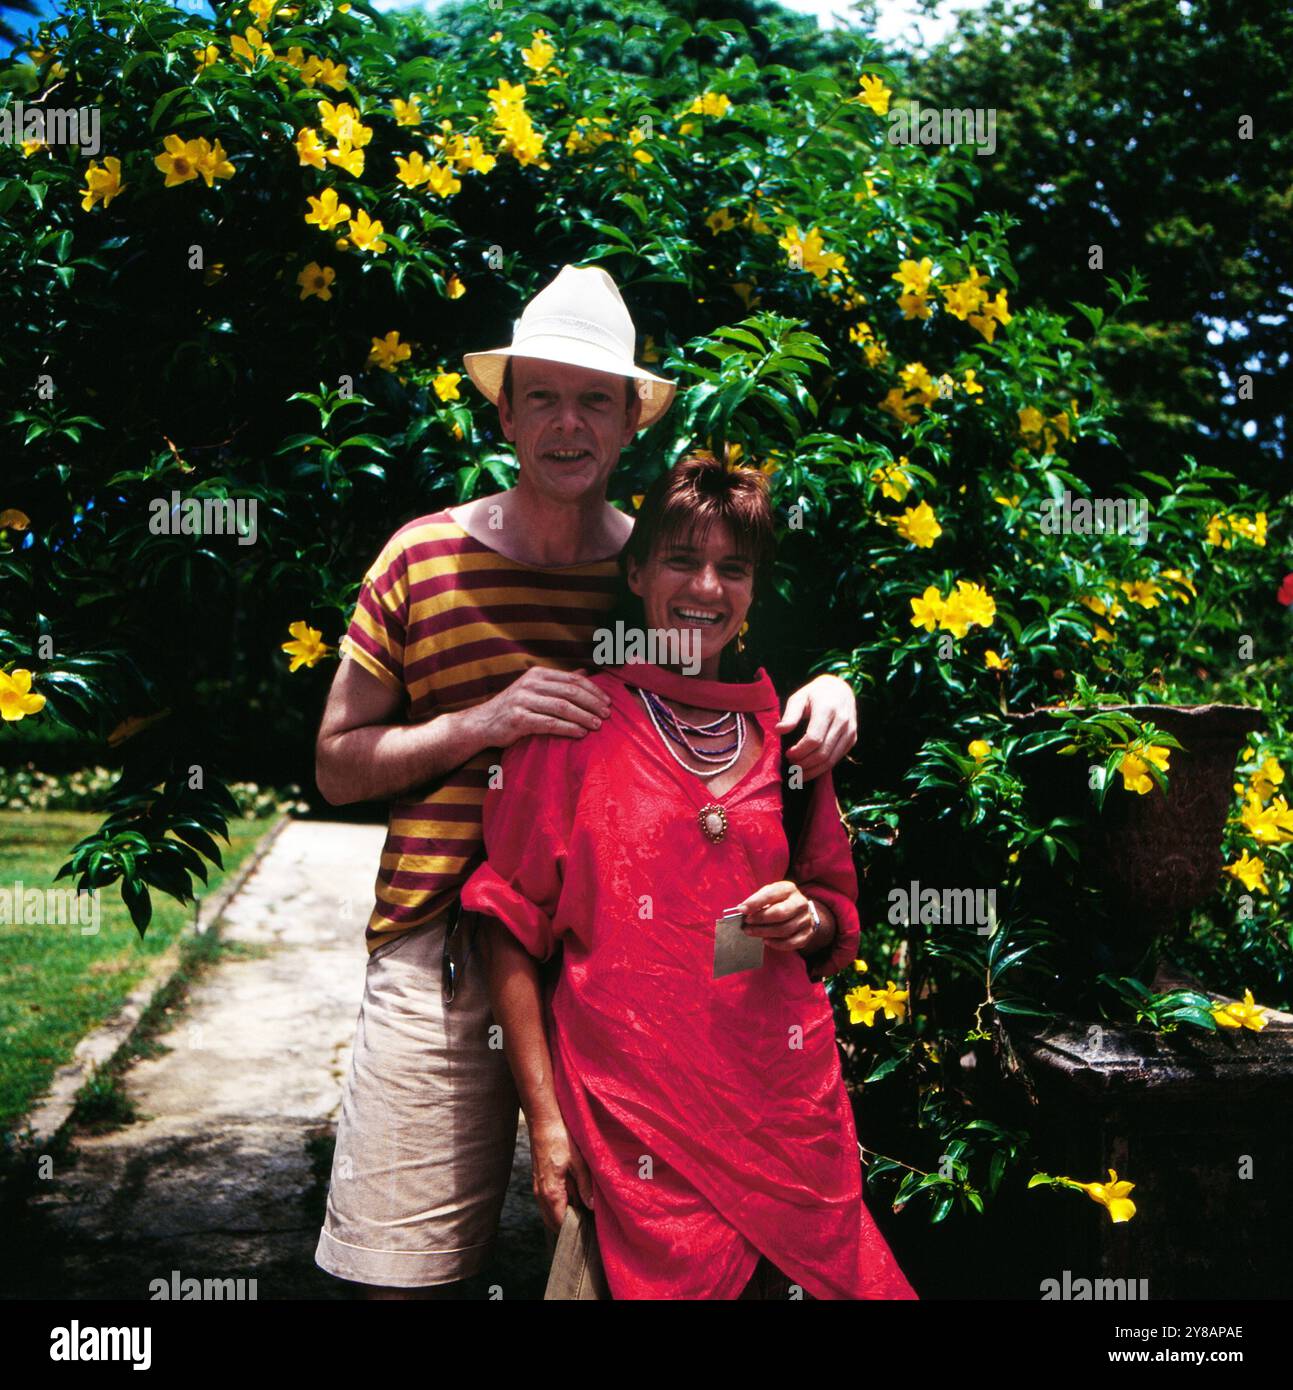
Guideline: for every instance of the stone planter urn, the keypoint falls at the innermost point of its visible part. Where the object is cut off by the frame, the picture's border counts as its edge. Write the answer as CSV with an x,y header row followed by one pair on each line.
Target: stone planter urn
x,y
1201,1123
1152,857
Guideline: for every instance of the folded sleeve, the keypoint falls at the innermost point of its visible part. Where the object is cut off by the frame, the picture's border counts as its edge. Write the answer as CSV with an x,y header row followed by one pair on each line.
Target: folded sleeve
x,y
526,825
823,869
376,635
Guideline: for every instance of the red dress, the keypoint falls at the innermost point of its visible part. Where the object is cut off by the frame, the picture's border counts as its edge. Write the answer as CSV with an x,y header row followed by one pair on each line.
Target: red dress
x,y
712,1112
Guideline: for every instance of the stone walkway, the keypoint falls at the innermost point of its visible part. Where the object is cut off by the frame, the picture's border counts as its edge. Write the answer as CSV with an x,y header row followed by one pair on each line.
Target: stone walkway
x,y
225,1175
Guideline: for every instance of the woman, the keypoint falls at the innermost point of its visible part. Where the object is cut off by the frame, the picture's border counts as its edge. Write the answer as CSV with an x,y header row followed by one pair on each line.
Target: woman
x,y
700,1115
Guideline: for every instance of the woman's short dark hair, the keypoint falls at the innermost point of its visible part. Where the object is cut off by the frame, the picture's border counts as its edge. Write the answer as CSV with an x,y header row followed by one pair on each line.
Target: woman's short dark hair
x,y
684,503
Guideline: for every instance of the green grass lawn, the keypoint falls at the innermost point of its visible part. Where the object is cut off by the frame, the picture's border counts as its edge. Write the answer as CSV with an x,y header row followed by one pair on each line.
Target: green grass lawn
x,y
56,983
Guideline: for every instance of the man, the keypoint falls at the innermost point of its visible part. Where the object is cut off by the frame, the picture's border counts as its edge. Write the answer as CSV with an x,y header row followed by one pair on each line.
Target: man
x,y
474,628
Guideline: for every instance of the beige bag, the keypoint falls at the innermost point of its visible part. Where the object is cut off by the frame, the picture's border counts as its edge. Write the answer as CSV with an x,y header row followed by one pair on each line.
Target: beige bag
x,y
577,1271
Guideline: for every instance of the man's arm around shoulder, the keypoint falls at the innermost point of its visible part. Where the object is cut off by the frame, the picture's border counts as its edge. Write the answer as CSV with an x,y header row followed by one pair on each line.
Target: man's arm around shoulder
x,y
365,753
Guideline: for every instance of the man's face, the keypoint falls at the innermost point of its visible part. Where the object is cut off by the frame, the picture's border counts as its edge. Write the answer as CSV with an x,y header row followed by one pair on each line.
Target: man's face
x,y
568,425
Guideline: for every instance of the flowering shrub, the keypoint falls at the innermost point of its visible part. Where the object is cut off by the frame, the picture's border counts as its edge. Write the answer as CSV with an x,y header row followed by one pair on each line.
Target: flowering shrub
x,y
28,789
261,287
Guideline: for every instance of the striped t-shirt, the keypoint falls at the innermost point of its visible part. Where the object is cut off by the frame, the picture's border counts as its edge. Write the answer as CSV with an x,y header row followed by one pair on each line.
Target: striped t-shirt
x,y
448,623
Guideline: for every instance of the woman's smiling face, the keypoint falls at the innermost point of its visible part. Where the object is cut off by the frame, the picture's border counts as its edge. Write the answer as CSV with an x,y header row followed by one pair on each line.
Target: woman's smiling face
x,y
690,583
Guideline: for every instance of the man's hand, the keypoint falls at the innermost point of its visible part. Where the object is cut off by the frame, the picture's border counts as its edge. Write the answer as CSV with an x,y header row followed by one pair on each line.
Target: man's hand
x,y
778,914
542,701
831,709
560,1174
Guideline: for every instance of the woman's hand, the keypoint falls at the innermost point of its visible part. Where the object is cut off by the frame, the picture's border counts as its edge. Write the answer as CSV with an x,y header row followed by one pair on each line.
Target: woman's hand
x,y
779,914
831,709
560,1173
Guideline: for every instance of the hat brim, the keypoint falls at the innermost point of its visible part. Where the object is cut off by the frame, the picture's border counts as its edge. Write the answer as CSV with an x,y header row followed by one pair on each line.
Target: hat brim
x,y
486,370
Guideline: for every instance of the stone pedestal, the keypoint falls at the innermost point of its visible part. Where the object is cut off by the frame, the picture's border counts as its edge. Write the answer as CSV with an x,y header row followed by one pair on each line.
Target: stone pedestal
x,y
1201,1123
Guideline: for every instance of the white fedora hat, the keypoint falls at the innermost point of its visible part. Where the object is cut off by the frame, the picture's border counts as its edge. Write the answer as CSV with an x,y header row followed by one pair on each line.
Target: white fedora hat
x,y
580,318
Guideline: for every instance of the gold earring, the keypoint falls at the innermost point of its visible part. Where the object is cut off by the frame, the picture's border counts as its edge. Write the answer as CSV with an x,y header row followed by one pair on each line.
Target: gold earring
x,y
740,637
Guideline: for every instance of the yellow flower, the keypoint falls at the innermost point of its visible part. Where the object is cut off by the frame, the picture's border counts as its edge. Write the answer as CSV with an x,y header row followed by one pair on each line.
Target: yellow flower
x,y
994,661
412,170
874,94
1250,871
325,212
1267,777
446,385
919,526
994,312
316,280
1142,591
102,183
343,124
16,699
968,605
308,148
540,54
1215,535
710,104
1003,500
1272,825
180,162
454,287
1030,421
407,112
864,1003
927,610
914,277
966,297
248,49
332,74
506,96
496,36
1109,608
1111,1195
1182,584
899,406
441,181
893,479
970,384
212,164
206,57
915,377
1241,1014
720,221
809,254
978,749
519,137
366,233
1254,530
388,351
344,156
1136,776
308,646
263,11
585,135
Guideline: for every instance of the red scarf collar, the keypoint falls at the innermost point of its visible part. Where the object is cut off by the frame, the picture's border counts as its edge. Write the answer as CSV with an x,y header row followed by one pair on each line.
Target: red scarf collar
x,y
747,696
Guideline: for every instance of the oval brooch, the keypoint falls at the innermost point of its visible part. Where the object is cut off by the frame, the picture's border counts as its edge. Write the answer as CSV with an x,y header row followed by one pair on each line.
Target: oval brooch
x,y
713,821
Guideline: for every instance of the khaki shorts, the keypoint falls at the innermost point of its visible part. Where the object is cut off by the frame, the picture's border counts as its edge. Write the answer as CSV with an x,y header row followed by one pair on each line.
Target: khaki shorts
x,y
428,1124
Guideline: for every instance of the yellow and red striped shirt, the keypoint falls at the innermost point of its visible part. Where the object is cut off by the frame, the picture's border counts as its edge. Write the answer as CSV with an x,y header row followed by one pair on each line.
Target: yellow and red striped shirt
x,y
448,623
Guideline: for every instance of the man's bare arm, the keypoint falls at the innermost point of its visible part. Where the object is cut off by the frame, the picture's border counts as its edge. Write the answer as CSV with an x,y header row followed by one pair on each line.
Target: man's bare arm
x,y
365,752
